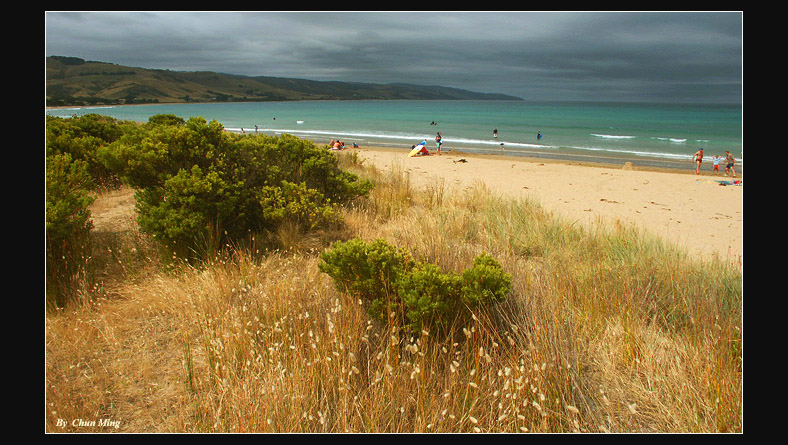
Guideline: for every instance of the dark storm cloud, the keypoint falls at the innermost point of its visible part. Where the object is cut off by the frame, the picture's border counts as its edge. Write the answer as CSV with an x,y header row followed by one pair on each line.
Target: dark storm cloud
x,y
561,56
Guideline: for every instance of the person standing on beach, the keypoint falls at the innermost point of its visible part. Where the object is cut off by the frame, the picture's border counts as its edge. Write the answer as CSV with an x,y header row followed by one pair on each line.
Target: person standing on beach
x,y
716,162
438,142
698,158
729,161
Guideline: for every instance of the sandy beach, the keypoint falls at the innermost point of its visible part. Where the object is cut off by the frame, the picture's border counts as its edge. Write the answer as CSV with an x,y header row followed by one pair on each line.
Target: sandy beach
x,y
692,211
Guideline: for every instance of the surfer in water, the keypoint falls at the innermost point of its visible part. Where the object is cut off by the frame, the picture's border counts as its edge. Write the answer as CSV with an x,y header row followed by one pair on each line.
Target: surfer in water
x,y
538,135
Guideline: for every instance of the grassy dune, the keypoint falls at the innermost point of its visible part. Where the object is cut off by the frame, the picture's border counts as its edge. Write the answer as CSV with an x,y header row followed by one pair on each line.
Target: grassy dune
x,y
607,330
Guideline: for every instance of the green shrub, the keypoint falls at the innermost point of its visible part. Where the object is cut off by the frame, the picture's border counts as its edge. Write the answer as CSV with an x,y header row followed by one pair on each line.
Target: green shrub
x,y
485,282
68,224
430,298
82,137
419,295
166,119
67,198
200,187
296,203
368,271
185,210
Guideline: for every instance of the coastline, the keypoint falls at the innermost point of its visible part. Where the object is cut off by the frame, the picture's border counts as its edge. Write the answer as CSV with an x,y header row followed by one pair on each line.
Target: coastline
x,y
638,164
604,150
594,159
694,212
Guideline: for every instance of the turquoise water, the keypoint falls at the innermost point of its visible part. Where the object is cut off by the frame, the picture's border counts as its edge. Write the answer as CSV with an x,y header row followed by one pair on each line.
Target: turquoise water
x,y
646,134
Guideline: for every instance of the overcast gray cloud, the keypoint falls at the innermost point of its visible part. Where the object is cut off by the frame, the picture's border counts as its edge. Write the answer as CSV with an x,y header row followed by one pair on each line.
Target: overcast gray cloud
x,y
684,57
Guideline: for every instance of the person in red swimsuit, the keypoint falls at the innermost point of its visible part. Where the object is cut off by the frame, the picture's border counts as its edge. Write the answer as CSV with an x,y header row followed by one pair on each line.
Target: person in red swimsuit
x,y
698,158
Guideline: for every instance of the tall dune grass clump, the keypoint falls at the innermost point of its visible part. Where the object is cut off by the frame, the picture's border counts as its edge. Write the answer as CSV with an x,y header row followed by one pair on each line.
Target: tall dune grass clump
x,y
603,329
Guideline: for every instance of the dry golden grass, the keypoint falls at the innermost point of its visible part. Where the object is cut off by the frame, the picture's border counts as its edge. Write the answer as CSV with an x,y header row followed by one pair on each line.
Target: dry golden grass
x,y
607,330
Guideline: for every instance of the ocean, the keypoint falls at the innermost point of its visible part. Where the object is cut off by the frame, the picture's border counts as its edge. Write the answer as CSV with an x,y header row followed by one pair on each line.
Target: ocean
x,y
658,135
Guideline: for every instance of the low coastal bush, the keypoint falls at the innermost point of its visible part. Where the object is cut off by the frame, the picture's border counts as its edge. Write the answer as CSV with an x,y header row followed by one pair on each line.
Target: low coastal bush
x,y
200,187
82,137
418,295
68,225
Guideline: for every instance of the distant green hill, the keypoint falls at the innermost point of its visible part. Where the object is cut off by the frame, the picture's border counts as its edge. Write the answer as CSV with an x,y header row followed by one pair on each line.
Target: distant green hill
x,y
74,81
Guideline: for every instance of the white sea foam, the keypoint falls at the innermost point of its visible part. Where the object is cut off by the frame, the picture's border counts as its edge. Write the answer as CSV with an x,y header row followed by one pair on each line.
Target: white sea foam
x,y
612,136
673,140
478,143
415,138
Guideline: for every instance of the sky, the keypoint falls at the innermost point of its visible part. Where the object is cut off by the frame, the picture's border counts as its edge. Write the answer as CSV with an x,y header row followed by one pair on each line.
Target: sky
x,y
672,57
